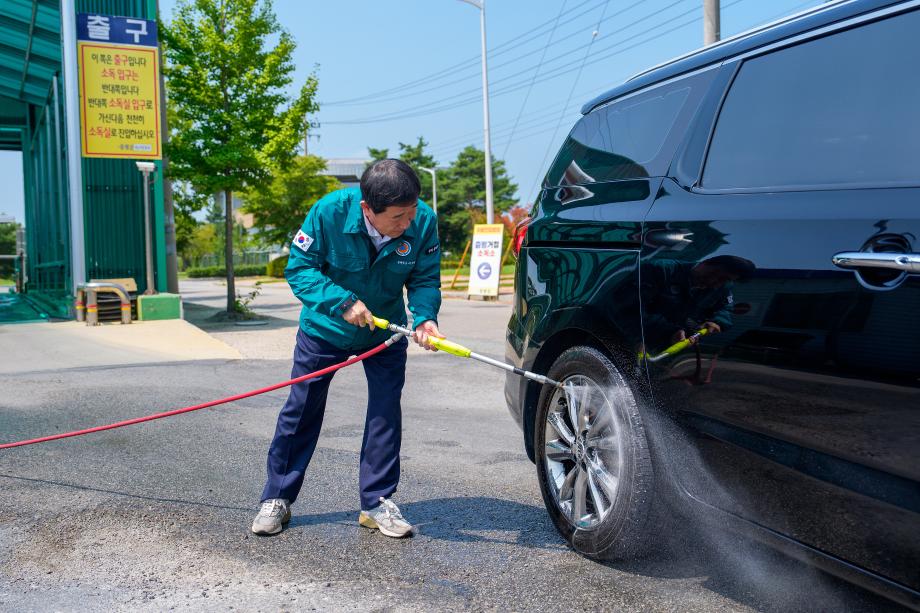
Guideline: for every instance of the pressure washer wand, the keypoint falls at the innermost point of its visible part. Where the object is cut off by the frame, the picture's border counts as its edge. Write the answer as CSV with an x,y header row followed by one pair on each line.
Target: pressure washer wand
x,y
675,348
442,344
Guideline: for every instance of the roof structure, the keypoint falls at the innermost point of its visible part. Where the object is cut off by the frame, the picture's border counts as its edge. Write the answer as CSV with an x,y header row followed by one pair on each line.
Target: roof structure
x,y
30,55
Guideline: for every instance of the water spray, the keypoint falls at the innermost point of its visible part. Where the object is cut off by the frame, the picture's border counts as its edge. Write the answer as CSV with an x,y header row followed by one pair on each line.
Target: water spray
x,y
442,344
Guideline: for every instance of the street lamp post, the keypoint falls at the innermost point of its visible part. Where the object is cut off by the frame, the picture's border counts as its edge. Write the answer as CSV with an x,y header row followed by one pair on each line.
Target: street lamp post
x,y
146,168
481,5
434,186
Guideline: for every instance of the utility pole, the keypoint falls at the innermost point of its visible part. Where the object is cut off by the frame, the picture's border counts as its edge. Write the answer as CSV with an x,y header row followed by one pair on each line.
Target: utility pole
x,y
711,22
490,209
169,212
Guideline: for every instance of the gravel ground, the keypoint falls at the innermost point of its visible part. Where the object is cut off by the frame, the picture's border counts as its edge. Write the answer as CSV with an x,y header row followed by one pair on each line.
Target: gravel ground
x,y
156,516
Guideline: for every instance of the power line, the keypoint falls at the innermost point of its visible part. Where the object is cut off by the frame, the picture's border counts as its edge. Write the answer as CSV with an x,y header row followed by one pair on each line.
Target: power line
x,y
400,95
569,99
472,61
535,73
473,95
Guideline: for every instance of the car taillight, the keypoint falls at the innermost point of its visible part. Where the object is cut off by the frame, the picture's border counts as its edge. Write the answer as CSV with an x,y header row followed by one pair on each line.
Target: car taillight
x,y
520,231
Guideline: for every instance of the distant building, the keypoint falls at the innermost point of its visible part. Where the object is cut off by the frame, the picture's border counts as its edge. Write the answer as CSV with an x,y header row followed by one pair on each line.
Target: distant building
x,y
347,170
247,220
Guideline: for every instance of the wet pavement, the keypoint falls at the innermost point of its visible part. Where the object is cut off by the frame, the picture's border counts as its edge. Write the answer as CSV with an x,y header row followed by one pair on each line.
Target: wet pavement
x,y
156,516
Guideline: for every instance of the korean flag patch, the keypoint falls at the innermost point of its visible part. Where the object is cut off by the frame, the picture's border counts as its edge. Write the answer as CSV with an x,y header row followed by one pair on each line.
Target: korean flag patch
x,y
302,241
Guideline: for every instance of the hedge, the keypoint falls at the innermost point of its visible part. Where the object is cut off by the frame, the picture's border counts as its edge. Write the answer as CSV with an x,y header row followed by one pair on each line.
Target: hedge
x,y
275,268
243,270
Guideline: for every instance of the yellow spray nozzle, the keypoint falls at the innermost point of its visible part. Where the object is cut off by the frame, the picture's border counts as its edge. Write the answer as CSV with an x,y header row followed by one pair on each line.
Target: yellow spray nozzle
x,y
681,345
676,347
381,323
442,344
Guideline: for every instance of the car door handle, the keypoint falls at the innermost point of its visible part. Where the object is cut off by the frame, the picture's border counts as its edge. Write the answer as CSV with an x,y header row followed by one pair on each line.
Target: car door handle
x,y
904,262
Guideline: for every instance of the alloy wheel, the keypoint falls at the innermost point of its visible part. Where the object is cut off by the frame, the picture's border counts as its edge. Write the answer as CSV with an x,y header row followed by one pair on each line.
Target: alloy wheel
x,y
583,451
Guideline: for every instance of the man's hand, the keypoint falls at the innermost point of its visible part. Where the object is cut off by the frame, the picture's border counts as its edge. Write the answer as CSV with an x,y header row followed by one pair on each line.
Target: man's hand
x,y
713,327
427,329
359,315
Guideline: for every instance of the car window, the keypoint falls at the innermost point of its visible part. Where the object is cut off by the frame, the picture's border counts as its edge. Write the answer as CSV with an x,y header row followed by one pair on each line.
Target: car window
x,y
836,110
630,138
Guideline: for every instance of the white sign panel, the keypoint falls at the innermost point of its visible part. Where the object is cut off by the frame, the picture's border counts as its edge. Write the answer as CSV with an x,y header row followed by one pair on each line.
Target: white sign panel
x,y
486,258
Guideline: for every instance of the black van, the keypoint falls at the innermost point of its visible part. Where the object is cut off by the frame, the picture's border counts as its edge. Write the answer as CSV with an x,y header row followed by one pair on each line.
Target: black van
x,y
722,266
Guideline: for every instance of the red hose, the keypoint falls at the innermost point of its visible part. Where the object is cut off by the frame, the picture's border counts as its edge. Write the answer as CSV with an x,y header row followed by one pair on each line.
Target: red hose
x,y
139,420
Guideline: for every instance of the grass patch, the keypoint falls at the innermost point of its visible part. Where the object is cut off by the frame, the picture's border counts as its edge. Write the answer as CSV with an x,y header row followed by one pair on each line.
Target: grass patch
x,y
6,282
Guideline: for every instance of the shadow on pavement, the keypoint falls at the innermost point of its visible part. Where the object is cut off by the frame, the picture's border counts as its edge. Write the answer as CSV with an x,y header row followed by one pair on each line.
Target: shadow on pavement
x,y
473,519
87,488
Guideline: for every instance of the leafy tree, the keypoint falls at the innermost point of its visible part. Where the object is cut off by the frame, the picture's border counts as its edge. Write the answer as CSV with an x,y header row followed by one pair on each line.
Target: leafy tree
x,y
416,157
377,154
228,66
279,208
203,240
185,204
462,196
7,247
512,217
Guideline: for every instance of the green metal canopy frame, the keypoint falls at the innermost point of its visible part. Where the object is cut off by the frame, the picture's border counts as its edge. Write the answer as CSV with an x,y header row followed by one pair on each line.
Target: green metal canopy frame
x,y
33,120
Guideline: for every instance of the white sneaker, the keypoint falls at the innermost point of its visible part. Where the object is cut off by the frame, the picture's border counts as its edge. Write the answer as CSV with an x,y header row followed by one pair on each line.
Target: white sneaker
x,y
272,516
387,518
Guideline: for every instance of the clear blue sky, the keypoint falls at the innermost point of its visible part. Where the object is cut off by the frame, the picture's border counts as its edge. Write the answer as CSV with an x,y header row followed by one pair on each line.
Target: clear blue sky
x,y
403,59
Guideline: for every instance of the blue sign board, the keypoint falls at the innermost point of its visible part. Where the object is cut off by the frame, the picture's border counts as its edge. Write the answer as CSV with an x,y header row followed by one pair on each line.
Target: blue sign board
x,y
116,30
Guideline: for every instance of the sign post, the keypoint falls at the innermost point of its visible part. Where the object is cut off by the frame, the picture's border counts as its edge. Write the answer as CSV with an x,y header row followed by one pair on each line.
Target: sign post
x,y
485,261
119,65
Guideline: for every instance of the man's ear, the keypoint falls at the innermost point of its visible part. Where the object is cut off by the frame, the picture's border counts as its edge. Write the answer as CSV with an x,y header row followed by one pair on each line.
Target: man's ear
x,y
365,207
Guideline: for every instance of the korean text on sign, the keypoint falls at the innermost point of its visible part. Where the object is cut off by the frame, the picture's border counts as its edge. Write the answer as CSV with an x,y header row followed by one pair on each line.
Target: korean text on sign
x,y
119,86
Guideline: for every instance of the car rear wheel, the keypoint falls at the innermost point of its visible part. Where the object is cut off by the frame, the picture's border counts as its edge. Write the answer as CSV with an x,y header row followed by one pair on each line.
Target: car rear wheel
x,y
593,461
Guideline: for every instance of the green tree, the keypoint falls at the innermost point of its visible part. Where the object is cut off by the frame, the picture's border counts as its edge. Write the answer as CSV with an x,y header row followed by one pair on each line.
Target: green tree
x,y
228,66
7,247
377,154
203,240
279,208
416,157
462,196
185,204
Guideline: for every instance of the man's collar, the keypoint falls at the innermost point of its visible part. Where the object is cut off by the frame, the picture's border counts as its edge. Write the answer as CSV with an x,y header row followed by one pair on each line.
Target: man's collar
x,y
371,230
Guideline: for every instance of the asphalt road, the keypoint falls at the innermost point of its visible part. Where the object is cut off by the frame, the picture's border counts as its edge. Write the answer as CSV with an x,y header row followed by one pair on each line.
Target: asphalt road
x,y
156,516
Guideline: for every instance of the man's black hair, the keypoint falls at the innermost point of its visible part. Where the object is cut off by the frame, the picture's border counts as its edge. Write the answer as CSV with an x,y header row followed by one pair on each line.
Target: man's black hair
x,y
389,182
733,265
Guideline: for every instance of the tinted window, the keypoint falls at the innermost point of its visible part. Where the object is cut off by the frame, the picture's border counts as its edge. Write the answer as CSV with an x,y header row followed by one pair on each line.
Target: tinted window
x,y
631,138
841,109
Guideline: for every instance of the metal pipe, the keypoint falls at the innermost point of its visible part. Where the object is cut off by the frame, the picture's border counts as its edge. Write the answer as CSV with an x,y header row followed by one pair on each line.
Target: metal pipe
x,y
89,308
434,186
146,168
58,153
463,352
74,163
490,209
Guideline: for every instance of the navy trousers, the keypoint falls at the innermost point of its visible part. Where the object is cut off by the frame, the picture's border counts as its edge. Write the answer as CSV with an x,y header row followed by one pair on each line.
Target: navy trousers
x,y
301,417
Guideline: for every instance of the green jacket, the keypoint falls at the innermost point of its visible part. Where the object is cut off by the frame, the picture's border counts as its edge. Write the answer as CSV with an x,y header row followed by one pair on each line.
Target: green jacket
x,y
330,268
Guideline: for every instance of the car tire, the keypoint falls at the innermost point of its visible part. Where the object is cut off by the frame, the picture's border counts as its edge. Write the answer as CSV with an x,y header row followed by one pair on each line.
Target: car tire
x,y
599,491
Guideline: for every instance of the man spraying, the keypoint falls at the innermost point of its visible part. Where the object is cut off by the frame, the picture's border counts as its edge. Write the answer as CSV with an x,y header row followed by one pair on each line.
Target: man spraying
x,y
351,259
